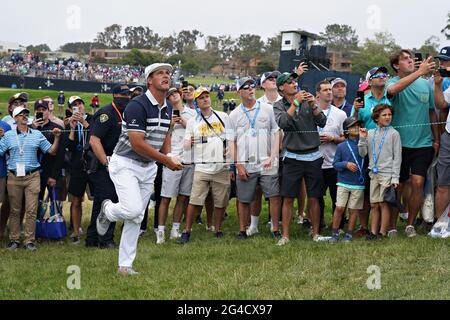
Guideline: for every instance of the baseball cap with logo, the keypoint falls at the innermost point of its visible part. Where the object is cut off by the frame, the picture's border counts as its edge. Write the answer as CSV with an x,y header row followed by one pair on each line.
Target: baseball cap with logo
x,y
273,74
338,80
374,71
72,99
156,67
19,96
121,89
444,54
284,77
199,92
40,104
20,110
243,81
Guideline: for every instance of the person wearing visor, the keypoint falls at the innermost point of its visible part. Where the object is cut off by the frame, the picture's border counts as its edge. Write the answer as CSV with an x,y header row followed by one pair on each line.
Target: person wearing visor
x,y
23,145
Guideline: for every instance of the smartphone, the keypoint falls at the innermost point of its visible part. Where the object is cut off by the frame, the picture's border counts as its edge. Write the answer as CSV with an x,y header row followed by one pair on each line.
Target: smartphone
x,y
39,116
418,56
68,113
360,96
76,109
444,73
176,113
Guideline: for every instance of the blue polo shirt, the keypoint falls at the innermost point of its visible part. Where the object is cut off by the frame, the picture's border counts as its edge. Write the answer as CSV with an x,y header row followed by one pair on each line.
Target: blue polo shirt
x,y
365,114
31,141
3,171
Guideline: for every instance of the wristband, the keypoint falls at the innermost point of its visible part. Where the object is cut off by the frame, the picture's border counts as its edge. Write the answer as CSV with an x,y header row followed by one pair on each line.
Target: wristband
x,y
296,103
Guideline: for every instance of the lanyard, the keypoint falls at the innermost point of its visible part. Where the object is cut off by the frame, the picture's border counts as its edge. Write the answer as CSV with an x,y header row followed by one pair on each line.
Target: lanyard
x,y
343,105
118,112
328,116
375,155
21,147
360,167
82,137
211,127
247,114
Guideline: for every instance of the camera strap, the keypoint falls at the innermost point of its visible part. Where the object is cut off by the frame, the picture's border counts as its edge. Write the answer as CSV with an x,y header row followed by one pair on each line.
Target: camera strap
x,y
211,127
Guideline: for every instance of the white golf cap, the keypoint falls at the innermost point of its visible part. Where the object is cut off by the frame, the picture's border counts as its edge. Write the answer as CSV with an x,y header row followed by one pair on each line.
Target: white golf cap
x,y
338,80
74,98
19,110
156,67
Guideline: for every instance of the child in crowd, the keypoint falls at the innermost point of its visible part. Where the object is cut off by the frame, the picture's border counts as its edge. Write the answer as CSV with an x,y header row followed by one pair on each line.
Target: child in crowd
x,y
351,169
383,145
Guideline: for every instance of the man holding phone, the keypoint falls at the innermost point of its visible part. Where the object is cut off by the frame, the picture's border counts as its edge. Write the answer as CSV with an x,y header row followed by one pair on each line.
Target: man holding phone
x,y
176,184
51,165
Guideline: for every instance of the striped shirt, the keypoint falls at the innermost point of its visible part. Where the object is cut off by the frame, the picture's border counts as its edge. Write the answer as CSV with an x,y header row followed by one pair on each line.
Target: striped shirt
x,y
14,141
143,114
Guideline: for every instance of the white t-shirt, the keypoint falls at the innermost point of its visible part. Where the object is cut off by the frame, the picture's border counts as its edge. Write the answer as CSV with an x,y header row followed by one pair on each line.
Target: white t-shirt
x,y
178,134
253,149
335,128
208,156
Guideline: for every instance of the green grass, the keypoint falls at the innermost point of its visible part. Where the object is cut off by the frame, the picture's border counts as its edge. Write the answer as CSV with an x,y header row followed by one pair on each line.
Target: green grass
x,y
208,268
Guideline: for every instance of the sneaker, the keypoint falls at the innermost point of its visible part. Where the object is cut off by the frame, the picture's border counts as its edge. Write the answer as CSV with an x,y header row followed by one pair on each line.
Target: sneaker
x,y
210,229
102,221
241,236
160,237
348,237
277,234
30,247
410,232
219,234
301,218
334,238
283,241
319,238
75,240
372,237
362,232
126,271
13,245
198,220
392,234
252,231
184,238
175,234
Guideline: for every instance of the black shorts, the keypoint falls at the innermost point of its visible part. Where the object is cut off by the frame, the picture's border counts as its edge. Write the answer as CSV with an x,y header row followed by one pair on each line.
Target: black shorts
x,y
293,173
78,183
415,162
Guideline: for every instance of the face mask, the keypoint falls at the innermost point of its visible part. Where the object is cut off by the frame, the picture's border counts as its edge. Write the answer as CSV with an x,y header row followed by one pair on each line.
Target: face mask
x,y
121,102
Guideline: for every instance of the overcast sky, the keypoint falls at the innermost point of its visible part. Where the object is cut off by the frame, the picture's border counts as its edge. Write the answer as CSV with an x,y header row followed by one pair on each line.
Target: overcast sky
x,y
58,22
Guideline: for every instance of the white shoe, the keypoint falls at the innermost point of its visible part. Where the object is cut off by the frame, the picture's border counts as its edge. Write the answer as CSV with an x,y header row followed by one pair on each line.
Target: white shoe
x,y
283,241
142,232
125,271
251,231
410,232
211,229
175,234
404,215
160,237
318,238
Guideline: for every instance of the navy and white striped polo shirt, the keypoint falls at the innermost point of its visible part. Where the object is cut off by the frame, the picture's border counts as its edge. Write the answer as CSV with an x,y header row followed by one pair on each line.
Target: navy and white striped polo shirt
x,y
143,114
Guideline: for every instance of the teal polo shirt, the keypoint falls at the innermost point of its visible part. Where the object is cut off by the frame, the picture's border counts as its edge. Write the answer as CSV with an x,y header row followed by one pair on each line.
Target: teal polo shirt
x,y
365,114
412,107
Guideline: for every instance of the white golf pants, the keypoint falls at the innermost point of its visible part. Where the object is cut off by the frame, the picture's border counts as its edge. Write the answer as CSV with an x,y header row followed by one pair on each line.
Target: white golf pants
x,y
134,184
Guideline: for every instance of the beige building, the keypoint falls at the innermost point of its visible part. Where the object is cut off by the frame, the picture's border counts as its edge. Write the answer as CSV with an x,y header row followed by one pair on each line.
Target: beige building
x,y
340,61
112,54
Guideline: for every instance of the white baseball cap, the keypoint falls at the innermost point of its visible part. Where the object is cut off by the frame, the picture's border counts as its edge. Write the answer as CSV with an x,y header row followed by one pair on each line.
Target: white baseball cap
x,y
74,98
19,110
156,67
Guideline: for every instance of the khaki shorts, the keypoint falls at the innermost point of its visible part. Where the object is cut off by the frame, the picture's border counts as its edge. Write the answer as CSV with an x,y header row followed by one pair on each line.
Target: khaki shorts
x,y
352,199
218,183
2,189
378,186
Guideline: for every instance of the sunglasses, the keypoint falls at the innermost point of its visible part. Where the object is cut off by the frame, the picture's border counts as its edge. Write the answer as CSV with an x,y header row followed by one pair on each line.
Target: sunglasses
x,y
271,79
290,81
18,103
248,86
379,75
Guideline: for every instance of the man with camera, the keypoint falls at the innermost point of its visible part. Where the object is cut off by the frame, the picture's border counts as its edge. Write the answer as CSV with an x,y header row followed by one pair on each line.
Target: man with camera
x,y
104,135
51,165
442,100
207,134
23,177
412,99
79,124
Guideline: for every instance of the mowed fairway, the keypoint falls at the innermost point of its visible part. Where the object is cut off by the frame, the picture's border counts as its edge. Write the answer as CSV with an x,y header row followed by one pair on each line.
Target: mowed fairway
x,y
210,268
